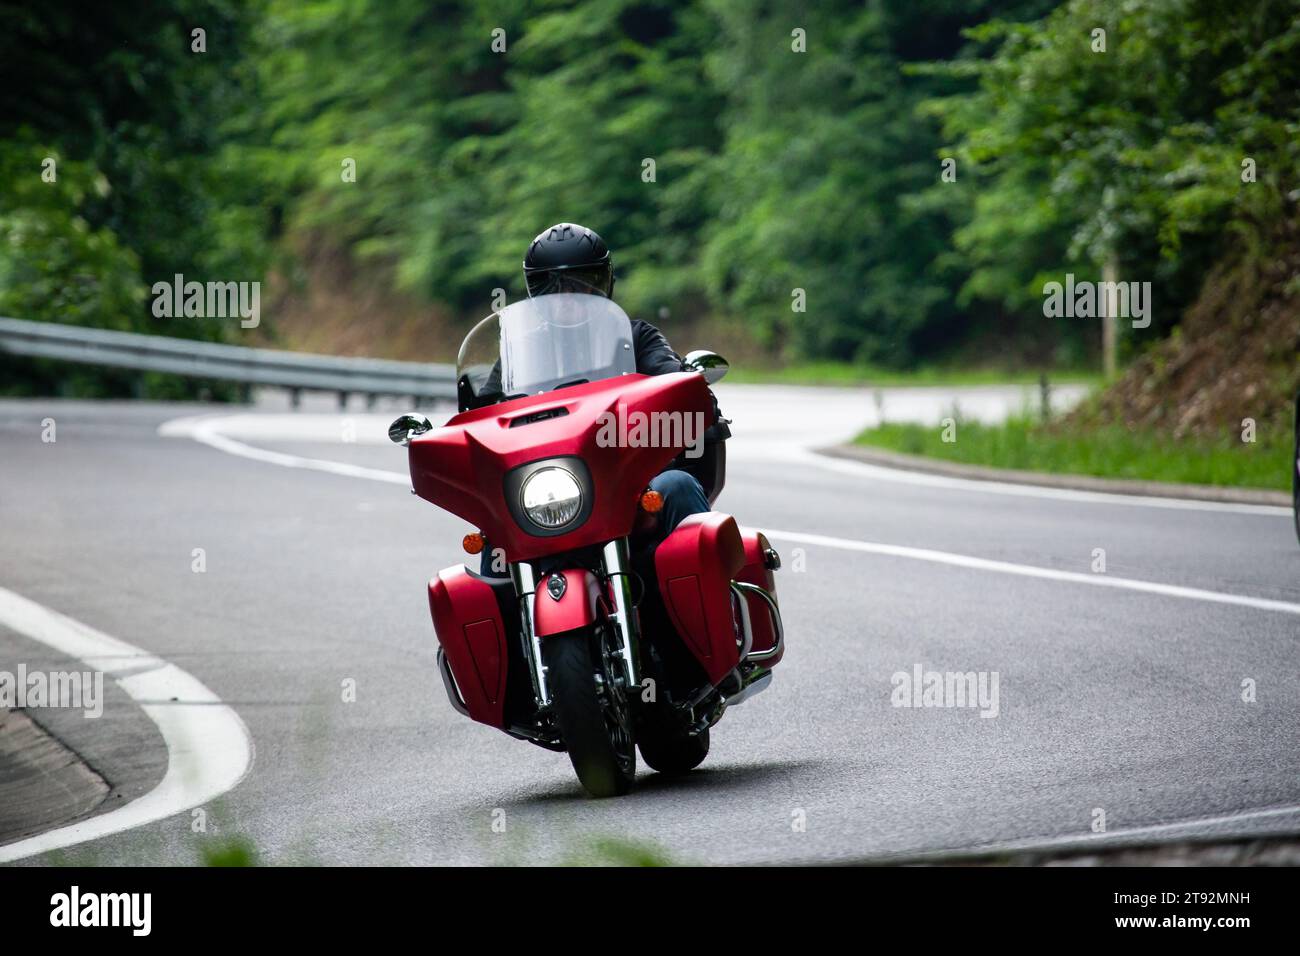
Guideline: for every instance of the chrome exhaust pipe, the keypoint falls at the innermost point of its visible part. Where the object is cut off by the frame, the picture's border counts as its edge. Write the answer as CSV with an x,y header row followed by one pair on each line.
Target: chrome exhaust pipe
x,y
752,689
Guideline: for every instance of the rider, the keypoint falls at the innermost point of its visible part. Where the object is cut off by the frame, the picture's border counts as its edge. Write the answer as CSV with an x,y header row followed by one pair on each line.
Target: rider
x,y
572,258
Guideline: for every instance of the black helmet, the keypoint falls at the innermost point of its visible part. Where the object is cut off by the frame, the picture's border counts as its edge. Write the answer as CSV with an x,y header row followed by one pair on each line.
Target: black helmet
x,y
569,258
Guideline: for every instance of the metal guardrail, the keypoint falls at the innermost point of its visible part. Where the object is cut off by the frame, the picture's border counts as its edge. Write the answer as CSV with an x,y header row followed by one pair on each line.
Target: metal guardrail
x,y
296,371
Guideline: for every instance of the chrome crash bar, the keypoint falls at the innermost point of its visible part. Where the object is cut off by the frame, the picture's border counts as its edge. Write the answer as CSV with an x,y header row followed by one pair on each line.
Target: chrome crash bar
x,y
748,655
449,682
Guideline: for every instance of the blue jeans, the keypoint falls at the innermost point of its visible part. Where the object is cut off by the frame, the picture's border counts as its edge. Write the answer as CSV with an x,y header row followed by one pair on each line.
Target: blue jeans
x,y
683,497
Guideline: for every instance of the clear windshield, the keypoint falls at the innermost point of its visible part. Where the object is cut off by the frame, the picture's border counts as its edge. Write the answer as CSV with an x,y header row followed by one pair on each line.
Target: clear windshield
x,y
536,345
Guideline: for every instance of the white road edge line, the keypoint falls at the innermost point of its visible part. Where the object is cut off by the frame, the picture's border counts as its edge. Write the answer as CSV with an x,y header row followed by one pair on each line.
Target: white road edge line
x,y
1032,571
205,430
209,749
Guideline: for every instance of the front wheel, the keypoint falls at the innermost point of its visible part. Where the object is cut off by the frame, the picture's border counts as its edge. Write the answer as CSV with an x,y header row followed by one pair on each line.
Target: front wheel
x,y
592,714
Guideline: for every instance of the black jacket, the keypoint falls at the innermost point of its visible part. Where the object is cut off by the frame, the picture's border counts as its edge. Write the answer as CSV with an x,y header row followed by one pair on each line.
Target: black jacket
x,y
654,356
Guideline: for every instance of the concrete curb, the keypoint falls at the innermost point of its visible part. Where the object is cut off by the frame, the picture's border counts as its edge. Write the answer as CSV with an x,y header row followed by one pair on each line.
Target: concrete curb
x,y
43,784
1261,850
1113,486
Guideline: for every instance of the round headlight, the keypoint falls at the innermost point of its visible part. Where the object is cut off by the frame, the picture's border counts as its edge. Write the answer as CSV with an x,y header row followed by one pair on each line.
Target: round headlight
x,y
551,497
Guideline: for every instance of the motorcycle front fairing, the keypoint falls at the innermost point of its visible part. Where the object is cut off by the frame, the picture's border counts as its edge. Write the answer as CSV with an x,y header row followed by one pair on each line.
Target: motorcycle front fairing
x,y
466,466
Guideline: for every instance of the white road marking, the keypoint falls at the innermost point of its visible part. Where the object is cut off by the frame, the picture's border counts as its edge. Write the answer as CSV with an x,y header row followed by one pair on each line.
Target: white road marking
x,y
1033,571
206,430
209,749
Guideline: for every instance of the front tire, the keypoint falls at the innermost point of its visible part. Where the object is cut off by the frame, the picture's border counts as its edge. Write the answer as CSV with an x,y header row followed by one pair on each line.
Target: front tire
x,y
593,718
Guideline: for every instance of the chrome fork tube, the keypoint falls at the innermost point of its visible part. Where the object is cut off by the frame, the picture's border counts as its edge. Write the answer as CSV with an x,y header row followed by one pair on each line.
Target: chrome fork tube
x,y
526,591
618,568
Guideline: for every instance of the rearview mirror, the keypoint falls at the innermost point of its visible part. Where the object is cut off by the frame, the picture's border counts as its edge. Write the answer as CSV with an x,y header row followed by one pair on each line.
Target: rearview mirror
x,y
709,364
407,427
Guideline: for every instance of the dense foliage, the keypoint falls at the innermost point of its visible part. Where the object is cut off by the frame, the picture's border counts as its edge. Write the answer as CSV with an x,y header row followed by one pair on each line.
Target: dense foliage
x,y
773,165
119,168
1172,147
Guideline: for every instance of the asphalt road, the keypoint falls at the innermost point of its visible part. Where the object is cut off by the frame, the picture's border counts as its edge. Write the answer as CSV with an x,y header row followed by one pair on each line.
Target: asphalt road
x,y
1111,696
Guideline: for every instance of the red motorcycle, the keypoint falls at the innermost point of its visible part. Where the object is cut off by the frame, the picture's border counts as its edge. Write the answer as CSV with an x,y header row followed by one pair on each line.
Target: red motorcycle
x,y
590,640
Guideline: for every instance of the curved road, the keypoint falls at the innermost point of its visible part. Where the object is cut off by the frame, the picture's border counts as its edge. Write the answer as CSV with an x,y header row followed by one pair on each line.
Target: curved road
x,y
1118,691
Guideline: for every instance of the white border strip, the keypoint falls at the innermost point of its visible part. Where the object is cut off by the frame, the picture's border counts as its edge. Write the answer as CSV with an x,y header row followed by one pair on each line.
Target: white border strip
x,y
207,430
209,749
1031,571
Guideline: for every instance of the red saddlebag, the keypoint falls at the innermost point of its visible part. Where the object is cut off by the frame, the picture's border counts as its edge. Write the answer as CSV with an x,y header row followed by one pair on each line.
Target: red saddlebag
x,y
695,565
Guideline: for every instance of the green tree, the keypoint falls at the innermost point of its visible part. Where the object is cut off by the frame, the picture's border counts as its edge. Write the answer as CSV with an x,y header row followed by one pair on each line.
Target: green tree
x,y
1133,152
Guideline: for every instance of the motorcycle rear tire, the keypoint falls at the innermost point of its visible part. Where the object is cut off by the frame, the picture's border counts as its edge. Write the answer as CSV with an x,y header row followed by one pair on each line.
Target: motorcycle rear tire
x,y
669,750
603,756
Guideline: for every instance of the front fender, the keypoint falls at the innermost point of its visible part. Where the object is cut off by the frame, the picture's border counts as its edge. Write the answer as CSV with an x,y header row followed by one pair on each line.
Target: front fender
x,y
580,604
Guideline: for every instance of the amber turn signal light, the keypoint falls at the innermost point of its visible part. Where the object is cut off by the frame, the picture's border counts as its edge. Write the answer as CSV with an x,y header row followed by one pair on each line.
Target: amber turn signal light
x,y
652,502
472,543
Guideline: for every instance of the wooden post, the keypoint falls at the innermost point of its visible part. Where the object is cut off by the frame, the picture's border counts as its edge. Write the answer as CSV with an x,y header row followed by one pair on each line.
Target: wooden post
x,y
1109,322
